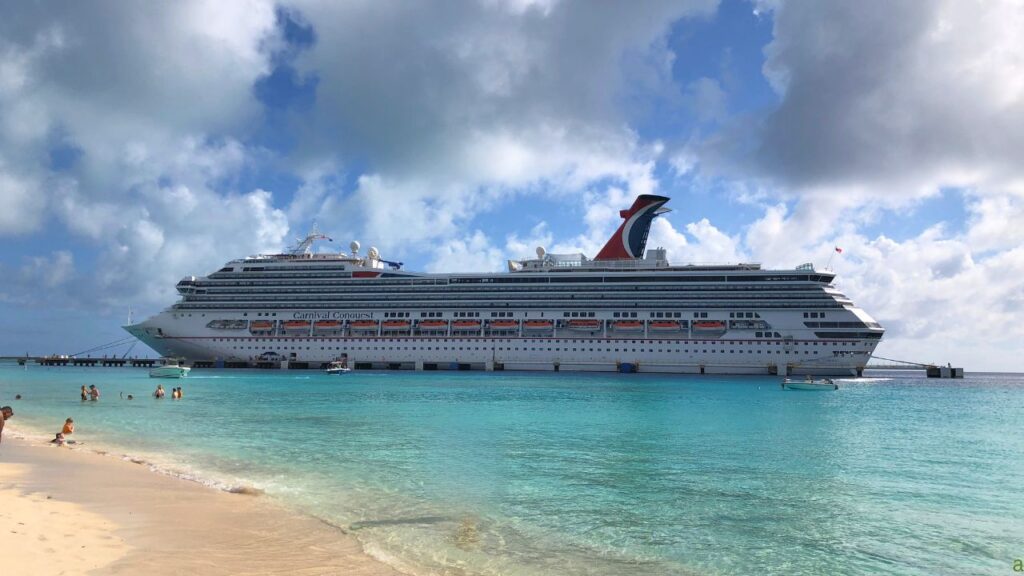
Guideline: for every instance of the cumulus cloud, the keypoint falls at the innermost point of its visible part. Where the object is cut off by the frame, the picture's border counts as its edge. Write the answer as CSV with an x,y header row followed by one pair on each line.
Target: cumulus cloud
x,y
456,108
143,103
892,99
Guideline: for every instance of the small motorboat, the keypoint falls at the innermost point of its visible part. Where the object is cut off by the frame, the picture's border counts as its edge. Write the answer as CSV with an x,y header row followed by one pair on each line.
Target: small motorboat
x,y
338,367
169,368
808,384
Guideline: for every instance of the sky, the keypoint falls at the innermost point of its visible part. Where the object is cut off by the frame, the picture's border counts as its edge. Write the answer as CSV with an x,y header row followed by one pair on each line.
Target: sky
x,y
142,142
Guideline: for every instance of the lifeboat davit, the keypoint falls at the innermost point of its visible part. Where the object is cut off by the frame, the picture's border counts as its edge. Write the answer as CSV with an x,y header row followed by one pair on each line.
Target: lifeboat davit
x,y
628,325
585,325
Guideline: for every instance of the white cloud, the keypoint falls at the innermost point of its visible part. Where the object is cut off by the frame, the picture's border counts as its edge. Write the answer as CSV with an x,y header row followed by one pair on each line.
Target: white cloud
x,y
48,271
457,110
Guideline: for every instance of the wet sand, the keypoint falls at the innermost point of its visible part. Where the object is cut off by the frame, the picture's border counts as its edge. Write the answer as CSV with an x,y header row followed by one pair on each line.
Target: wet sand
x,y
73,511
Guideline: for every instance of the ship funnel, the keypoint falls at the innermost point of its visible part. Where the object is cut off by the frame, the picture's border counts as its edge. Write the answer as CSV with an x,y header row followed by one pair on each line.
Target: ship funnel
x,y
630,239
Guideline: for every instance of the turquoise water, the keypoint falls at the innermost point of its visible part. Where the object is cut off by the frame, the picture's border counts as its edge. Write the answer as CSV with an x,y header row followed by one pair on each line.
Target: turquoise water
x,y
509,473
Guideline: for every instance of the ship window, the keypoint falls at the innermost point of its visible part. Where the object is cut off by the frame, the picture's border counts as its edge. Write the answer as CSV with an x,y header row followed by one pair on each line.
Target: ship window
x,y
732,314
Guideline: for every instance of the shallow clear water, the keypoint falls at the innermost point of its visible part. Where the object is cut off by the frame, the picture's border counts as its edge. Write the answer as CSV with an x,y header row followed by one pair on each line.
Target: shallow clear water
x,y
509,473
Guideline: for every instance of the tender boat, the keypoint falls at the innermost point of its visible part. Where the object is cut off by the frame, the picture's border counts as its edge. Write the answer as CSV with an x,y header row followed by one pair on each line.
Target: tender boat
x,y
169,368
338,367
808,384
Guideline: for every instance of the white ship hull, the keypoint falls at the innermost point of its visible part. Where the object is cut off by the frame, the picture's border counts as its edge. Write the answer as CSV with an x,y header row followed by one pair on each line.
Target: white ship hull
x,y
734,352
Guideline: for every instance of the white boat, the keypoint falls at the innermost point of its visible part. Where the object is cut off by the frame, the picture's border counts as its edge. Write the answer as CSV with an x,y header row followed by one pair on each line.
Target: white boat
x,y
169,368
823,384
338,368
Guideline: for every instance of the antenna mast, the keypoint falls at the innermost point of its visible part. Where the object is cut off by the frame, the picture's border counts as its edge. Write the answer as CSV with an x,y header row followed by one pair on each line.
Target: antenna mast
x,y
304,246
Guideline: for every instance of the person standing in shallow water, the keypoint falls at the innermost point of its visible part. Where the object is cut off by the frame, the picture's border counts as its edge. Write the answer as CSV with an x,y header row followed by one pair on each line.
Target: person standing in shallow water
x,y
159,392
85,394
5,414
94,392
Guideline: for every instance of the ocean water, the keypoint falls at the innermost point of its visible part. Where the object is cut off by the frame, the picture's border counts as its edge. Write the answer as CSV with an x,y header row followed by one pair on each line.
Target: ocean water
x,y
527,474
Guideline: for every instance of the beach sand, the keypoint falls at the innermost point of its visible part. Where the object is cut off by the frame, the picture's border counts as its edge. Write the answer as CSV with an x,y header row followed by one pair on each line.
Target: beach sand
x,y
72,511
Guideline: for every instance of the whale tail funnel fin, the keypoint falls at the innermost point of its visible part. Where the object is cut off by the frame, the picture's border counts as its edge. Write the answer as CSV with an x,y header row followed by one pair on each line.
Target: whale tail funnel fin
x,y
630,240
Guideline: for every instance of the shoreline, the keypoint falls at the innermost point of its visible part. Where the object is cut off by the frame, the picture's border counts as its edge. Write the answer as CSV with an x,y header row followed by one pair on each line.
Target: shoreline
x,y
75,511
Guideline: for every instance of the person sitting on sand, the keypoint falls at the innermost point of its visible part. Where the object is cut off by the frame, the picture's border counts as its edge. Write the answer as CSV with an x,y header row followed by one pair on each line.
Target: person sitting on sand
x,y
59,440
85,394
6,413
159,392
69,427
94,393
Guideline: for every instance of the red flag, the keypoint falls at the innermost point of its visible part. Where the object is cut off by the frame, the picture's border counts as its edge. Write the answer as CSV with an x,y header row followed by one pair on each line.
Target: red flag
x,y
838,249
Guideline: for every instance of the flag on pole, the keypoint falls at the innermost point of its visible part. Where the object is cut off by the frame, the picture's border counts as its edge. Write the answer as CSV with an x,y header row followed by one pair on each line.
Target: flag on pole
x,y
838,249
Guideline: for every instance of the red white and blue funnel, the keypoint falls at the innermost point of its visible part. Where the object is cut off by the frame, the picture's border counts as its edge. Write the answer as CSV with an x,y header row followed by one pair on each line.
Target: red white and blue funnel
x,y
630,240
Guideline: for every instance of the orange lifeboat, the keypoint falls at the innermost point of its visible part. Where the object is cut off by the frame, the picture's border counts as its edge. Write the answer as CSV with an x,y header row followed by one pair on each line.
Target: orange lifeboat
x,y
364,325
261,326
433,325
538,324
588,325
327,325
504,324
396,324
709,325
466,324
664,325
296,325
631,325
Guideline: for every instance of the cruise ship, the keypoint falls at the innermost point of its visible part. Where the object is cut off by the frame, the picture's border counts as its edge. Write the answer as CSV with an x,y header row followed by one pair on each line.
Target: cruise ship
x,y
627,309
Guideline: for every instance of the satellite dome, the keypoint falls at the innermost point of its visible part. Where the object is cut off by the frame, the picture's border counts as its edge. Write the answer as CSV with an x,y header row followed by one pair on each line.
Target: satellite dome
x,y
374,254
541,251
354,246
